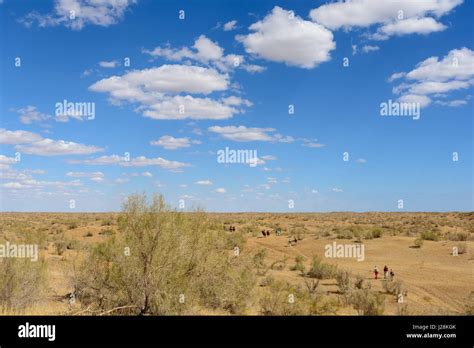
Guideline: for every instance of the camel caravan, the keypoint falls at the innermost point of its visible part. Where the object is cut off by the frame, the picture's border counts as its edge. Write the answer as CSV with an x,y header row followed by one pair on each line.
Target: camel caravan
x,y
292,240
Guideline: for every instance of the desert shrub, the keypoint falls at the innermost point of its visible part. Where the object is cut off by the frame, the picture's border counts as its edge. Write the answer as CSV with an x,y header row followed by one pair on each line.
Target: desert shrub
x,y
160,254
393,287
267,281
22,283
72,225
429,235
462,248
367,302
469,306
359,282
259,258
311,285
107,222
458,236
281,298
375,233
321,270
89,234
279,265
418,243
107,232
298,266
235,239
60,246
344,234
344,281
72,244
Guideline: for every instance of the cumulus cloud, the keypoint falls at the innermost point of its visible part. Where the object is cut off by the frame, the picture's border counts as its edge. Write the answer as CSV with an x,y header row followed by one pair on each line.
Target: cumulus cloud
x,y
221,190
76,14
413,25
17,137
171,143
231,25
50,147
207,52
434,77
365,13
243,133
284,37
93,176
161,92
29,114
204,182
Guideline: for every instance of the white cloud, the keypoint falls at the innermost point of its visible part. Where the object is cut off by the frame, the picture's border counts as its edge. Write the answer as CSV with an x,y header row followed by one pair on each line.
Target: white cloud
x,y
49,147
148,84
86,12
7,160
284,37
171,143
102,160
188,107
268,158
17,137
142,161
365,13
204,182
231,25
94,176
336,189
369,48
207,52
434,76
33,183
361,160
415,25
108,64
160,92
30,114
242,133
313,144
221,190
147,174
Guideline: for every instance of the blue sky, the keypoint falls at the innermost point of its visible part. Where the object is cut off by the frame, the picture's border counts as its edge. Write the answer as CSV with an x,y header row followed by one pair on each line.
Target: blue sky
x,y
226,75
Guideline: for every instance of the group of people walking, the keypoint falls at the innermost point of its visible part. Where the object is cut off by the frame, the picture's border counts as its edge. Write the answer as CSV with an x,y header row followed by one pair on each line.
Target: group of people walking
x,y
386,273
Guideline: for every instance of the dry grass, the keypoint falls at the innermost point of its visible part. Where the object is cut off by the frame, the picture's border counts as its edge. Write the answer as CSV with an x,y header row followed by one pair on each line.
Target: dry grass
x,y
267,271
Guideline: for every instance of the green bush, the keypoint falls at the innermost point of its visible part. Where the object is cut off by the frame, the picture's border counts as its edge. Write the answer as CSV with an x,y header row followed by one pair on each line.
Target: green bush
x,y
367,302
22,283
321,270
160,255
430,235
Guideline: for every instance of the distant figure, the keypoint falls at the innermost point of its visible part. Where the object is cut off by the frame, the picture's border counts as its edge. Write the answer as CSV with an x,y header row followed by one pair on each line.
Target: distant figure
x,y
385,272
292,240
268,233
278,232
391,274
232,228
376,272
264,234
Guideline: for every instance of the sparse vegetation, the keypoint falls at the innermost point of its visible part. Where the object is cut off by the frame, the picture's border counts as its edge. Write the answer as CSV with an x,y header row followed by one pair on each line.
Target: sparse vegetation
x,y
321,270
